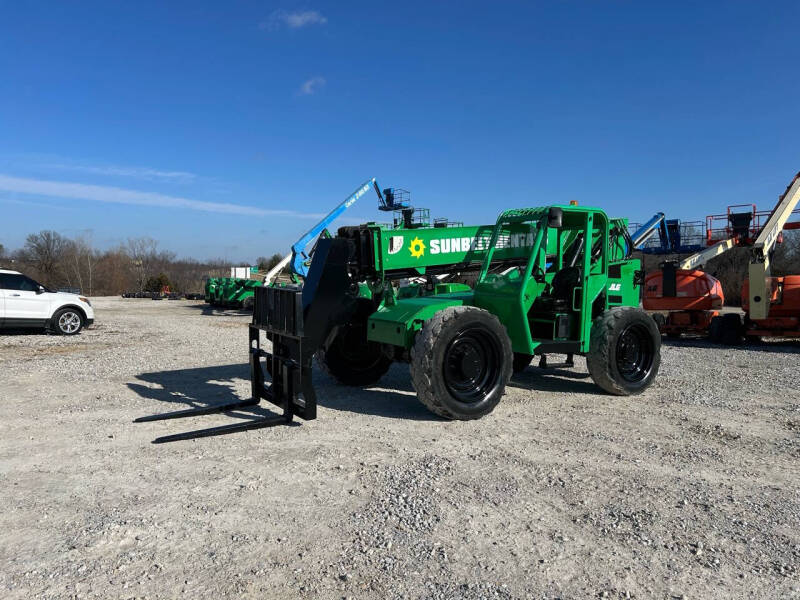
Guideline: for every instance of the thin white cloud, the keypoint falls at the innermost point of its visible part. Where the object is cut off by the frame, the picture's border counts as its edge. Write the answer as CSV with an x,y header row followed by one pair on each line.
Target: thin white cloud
x,y
118,171
115,195
29,203
301,19
312,86
293,20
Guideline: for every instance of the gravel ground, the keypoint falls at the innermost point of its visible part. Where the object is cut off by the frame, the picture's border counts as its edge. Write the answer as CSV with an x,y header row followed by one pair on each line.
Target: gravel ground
x,y
688,491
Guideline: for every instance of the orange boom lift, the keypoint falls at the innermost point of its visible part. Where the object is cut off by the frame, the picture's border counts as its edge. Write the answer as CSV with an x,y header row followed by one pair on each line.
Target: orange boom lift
x,y
691,298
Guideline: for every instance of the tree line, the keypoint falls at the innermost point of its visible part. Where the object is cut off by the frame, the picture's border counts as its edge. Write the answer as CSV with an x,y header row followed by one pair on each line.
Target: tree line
x,y
140,265
137,265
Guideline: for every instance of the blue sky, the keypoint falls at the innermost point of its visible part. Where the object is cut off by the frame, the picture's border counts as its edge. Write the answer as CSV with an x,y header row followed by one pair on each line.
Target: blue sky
x,y
222,129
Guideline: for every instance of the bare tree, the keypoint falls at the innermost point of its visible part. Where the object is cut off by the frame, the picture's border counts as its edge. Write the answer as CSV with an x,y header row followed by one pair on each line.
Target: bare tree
x,y
265,264
731,270
141,251
786,260
78,263
114,273
57,261
44,251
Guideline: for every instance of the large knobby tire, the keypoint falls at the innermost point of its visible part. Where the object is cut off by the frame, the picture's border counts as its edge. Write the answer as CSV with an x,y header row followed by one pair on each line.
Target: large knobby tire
x,y
625,351
67,321
352,360
461,362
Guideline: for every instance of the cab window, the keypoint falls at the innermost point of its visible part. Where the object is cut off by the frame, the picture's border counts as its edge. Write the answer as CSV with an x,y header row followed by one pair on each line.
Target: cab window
x,y
9,281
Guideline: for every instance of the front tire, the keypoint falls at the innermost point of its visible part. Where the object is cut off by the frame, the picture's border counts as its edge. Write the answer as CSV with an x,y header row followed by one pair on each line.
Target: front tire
x,y
352,360
461,362
67,321
625,351
521,362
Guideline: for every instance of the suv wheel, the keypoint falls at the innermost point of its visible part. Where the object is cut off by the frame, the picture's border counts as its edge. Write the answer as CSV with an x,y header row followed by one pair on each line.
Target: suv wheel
x,y
68,321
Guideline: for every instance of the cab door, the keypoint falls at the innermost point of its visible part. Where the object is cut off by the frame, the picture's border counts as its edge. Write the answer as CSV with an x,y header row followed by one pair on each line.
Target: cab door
x,y
24,304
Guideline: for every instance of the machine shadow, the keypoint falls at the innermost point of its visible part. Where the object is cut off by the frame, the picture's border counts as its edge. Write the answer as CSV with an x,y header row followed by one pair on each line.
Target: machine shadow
x,y
209,386
198,388
207,309
26,331
553,380
393,397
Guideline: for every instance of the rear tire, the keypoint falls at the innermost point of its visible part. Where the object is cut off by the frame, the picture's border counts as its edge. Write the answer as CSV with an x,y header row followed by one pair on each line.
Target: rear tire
x,y
625,351
67,321
461,362
352,360
248,303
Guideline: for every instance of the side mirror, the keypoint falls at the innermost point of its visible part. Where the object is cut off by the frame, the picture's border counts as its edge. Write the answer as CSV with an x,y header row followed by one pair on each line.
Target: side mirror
x,y
555,217
40,289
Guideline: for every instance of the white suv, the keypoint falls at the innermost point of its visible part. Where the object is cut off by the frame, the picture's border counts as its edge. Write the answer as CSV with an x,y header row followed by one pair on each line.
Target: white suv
x,y
25,303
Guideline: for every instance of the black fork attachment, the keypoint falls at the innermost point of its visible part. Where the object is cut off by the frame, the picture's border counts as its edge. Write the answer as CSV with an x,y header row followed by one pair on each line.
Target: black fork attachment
x,y
297,320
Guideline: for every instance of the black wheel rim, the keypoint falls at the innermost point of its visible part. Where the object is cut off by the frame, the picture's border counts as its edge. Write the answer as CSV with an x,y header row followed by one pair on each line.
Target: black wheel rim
x,y
472,364
635,353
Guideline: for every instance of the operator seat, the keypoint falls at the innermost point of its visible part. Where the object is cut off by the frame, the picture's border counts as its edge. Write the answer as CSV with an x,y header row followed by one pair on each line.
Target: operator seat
x,y
559,296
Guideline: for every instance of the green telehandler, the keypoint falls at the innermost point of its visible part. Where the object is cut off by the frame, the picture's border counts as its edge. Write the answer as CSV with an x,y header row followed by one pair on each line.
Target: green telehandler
x,y
243,295
231,292
209,289
553,279
218,291
224,290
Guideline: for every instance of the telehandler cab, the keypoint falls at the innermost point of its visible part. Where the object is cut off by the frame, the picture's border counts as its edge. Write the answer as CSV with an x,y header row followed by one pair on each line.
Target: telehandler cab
x,y
555,279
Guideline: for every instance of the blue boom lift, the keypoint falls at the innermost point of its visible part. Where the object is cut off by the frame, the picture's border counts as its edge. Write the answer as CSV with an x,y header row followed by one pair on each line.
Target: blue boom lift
x,y
299,260
674,236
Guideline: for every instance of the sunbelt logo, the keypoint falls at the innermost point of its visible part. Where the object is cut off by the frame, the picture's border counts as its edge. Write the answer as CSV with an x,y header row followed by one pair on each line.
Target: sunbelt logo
x,y
417,247
463,244
466,244
396,244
